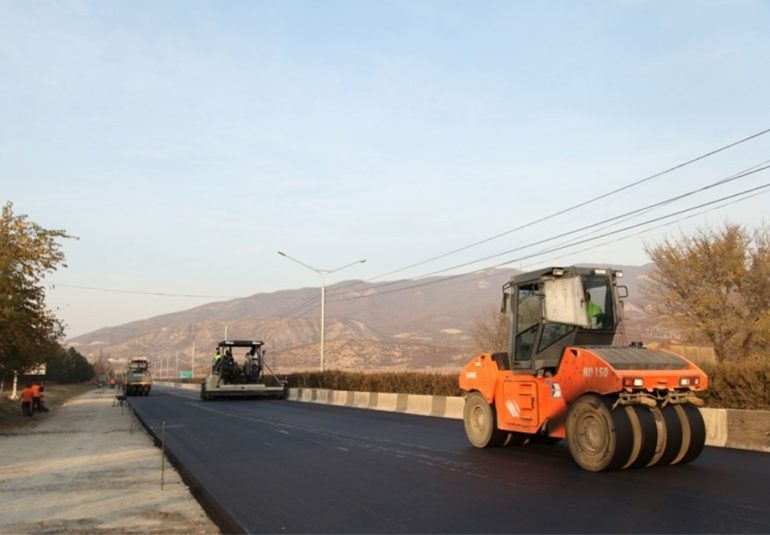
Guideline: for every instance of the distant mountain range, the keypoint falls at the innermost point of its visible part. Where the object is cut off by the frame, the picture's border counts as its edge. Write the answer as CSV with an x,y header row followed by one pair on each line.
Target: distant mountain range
x,y
421,325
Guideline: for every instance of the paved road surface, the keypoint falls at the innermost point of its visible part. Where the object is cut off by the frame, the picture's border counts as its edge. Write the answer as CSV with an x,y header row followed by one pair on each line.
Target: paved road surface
x,y
281,466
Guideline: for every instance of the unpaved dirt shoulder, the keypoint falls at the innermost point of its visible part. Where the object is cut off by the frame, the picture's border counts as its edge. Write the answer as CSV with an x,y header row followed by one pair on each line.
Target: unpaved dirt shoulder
x,y
88,467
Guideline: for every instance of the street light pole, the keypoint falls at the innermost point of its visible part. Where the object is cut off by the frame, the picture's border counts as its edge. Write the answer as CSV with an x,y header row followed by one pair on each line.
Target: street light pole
x,y
323,273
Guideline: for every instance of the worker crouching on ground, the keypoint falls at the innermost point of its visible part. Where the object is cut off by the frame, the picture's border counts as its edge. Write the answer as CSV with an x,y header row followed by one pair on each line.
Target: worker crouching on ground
x,y
26,400
37,398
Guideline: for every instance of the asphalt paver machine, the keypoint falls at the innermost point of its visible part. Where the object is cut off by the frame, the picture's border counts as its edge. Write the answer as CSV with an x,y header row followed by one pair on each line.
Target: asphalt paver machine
x,y
238,371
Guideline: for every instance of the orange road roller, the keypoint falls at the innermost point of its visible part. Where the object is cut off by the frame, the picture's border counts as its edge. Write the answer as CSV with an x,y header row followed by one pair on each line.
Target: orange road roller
x,y
616,406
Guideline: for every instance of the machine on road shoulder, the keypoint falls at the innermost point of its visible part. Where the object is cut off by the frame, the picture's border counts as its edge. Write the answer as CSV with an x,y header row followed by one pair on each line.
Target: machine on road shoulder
x,y
617,406
235,376
138,378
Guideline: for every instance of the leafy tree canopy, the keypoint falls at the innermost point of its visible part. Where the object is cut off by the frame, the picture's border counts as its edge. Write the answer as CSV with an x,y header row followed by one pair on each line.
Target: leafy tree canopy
x,y
28,330
69,366
714,286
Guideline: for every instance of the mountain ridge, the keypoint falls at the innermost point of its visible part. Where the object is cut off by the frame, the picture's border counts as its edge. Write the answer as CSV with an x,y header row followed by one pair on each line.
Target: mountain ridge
x,y
369,326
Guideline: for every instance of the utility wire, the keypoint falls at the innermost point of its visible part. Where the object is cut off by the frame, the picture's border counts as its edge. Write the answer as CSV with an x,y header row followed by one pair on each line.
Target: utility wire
x,y
720,182
740,174
667,224
628,215
580,205
597,227
744,193
311,304
139,292
480,242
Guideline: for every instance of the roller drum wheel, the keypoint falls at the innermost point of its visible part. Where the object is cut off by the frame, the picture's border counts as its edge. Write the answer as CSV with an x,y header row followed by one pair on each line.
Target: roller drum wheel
x,y
674,435
645,435
695,430
598,437
480,423
660,427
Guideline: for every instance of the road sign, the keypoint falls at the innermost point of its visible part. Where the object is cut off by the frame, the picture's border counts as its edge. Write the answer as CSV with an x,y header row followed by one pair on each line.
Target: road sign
x,y
185,374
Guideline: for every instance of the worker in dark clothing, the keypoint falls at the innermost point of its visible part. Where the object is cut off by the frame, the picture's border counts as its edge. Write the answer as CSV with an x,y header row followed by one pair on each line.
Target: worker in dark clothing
x,y
36,398
41,401
252,366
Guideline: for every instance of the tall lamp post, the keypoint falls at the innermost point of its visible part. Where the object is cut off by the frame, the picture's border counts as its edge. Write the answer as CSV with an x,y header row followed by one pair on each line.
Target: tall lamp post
x,y
323,273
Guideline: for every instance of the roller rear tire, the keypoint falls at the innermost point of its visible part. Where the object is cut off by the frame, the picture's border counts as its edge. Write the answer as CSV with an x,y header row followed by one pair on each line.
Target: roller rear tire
x,y
598,437
480,422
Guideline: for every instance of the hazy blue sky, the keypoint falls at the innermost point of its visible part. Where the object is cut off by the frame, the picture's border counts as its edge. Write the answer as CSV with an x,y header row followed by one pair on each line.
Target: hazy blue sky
x,y
186,142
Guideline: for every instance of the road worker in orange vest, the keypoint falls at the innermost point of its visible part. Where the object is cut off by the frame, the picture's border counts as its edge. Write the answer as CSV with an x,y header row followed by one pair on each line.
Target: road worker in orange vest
x,y
26,400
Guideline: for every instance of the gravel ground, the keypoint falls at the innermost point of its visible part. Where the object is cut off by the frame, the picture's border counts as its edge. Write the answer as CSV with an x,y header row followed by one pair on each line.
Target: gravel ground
x,y
89,467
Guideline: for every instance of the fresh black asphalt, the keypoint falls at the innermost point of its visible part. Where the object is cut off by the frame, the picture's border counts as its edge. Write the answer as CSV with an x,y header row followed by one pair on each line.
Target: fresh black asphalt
x,y
276,466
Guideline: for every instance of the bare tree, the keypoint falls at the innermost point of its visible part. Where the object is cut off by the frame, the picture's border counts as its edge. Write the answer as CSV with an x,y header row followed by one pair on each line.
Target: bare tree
x,y
490,330
714,286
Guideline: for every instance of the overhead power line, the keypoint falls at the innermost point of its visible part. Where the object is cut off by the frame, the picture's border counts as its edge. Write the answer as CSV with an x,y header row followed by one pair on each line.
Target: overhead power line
x,y
555,214
579,205
667,224
594,227
140,292
742,174
313,301
745,193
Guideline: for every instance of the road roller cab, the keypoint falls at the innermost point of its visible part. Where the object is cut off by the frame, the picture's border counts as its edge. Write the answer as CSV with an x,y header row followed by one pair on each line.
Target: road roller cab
x,y
617,406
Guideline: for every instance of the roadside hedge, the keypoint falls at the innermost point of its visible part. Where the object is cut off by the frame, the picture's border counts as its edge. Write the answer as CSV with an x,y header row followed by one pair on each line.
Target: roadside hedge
x,y
435,384
732,385
738,385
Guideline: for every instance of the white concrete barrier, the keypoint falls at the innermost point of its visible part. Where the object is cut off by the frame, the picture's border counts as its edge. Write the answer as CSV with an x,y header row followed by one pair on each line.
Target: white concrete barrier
x,y
716,426
440,406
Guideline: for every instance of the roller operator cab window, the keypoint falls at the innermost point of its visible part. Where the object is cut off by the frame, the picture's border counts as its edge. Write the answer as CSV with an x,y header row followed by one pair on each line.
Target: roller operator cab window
x,y
529,310
598,302
552,333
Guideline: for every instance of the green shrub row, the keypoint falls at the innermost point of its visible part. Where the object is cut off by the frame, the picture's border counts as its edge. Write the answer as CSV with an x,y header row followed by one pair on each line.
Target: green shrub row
x,y
731,385
435,384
